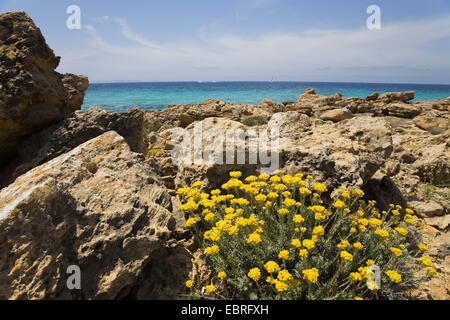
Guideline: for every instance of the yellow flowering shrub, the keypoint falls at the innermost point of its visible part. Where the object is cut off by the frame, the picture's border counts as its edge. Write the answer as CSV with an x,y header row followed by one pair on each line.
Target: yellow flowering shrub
x,y
280,237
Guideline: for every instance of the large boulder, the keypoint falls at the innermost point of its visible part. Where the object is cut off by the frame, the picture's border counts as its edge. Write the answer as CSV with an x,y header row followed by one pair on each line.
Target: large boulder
x,y
99,207
32,94
76,129
397,96
432,122
434,164
343,154
336,115
402,110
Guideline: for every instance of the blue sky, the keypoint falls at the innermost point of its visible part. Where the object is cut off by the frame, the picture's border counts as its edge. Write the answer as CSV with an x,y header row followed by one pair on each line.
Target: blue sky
x,y
215,40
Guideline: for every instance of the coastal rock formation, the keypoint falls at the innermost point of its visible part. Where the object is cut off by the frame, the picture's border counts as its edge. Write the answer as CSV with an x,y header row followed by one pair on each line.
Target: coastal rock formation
x,y
32,95
433,122
184,115
397,96
402,110
336,115
99,207
343,154
76,129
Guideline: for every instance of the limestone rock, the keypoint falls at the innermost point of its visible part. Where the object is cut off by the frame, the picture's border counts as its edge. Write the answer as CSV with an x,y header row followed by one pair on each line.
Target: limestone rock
x,y
342,154
440,223
432,122
434,164
75,87
402,110
99,206
336,115
397,96
76,129
428,208
310,91
288,120
372,96
32,95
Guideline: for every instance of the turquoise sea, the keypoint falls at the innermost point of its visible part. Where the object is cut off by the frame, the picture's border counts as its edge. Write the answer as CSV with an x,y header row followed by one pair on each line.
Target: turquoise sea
x,y
157,95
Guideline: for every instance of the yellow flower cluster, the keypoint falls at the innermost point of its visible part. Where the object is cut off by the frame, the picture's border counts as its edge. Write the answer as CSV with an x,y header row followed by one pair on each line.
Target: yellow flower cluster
x,y
289,222
312,275
394,276
254,274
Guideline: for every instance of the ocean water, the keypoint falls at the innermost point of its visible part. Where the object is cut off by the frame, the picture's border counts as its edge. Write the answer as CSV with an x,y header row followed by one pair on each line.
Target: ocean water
x,y
157,95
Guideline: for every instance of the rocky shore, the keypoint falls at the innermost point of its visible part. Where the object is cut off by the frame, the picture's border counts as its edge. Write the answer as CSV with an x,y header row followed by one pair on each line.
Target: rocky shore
x,y
97,189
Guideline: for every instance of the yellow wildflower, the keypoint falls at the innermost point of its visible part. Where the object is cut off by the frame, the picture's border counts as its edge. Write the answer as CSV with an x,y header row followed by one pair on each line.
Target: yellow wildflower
x,y
235,174
190,222
319,230
312,275
271,266
211,250
284,254
431,272
303,253
254,238
254,274
281,286
343,245
401,231
298,219
339,204
346,256
189,283
426,261
211,288
394,276
284,275
309,244
296,243
396,252
355,276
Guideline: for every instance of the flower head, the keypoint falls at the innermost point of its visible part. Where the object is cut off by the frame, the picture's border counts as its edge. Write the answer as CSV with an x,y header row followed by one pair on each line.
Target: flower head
x,y
211,288
311,275
254,274
394,276
271,266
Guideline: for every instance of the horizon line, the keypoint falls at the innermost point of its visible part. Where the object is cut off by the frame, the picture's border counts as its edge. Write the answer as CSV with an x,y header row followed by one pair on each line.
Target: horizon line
x,y
267,81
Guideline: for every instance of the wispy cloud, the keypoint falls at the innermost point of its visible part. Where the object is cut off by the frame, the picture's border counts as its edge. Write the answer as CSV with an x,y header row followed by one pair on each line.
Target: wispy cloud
x,y
294,55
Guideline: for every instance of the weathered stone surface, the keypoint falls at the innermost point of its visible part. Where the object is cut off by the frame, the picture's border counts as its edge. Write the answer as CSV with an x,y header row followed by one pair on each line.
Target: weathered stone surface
x,y
32,95
432,122
336,115
441,223
75,86
76,129
428,208
100,207
372,96
434,164
339,154
289,120
397,96
402,110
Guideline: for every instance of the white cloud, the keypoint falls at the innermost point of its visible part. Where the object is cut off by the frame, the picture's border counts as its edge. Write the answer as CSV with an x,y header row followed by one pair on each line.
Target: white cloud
x,y
301,55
